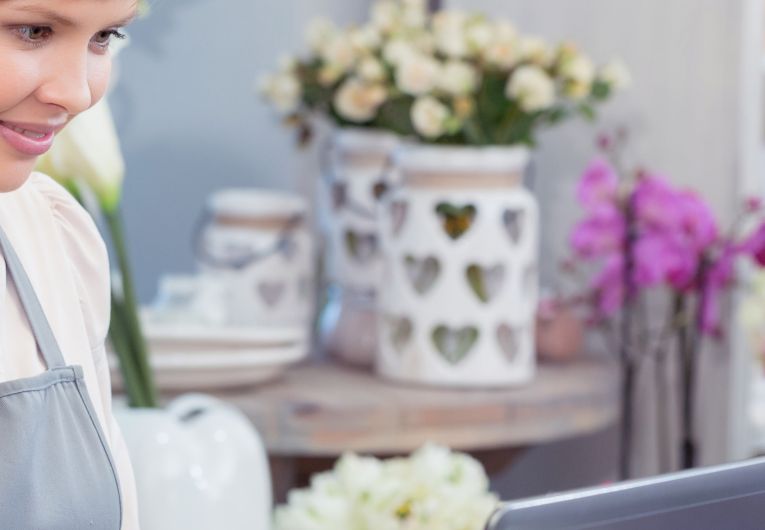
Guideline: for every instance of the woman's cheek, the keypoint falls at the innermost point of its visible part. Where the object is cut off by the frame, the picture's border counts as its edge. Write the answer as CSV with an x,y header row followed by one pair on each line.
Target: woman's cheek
x,y
99,77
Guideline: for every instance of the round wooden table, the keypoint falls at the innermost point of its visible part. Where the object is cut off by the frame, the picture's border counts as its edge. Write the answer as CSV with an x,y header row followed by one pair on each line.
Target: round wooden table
x,y
318,411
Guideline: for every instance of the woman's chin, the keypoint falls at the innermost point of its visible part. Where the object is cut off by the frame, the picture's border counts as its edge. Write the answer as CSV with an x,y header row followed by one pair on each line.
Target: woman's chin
x,y
14,173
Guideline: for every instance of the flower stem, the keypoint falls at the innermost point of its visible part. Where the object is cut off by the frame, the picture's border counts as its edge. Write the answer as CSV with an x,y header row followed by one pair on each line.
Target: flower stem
x,y
129,313
117,335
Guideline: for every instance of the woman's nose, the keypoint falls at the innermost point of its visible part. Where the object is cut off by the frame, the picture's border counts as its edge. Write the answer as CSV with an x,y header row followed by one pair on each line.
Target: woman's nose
x,y
66,83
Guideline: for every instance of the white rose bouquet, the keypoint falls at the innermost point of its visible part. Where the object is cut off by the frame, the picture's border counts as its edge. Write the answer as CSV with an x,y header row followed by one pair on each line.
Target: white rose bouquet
x,y
451,77
433,489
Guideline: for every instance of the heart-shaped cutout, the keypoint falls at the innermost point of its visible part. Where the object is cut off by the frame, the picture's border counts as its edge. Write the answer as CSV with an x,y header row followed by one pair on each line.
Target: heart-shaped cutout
x,y
339,195
485,282
271,292
423,273
514,221
454,344
456,220
361,247
507,338
398,213
379,189
400,329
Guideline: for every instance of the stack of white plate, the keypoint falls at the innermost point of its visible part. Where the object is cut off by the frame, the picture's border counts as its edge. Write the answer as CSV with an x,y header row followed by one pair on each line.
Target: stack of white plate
x,y
197,356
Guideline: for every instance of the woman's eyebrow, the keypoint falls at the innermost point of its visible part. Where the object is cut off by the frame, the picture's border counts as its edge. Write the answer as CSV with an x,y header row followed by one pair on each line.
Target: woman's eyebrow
x,y
64,21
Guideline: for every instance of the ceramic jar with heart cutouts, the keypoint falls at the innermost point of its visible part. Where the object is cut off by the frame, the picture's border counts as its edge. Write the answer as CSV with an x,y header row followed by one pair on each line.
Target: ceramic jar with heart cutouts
x,y
257,246
357,171
460,240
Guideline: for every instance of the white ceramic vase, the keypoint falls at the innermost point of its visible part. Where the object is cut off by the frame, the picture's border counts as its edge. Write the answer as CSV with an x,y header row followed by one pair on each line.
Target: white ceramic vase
x,y
199,464
358,172
460,241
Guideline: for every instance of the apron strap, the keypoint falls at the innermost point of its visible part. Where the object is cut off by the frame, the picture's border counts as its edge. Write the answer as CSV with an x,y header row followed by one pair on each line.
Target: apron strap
x,y
46,341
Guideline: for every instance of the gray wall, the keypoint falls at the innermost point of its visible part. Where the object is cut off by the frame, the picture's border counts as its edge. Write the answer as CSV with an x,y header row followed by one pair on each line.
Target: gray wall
x,y
190,120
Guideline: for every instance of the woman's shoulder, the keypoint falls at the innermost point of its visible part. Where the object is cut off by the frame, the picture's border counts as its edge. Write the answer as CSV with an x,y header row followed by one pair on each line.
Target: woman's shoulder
x,y
84,248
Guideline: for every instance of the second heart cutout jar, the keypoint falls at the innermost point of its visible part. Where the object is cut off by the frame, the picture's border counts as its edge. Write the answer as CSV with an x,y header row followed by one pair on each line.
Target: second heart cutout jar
x,y
459,239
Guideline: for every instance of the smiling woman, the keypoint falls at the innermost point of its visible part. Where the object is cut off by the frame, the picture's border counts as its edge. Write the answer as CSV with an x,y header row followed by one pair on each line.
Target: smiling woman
x,y
64,465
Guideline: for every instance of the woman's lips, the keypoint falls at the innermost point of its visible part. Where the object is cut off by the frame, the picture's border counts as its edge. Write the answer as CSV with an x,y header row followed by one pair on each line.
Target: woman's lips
x,y
27,145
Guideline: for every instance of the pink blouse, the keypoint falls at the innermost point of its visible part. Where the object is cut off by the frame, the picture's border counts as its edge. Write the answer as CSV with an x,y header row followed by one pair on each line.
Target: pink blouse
x,y
66,261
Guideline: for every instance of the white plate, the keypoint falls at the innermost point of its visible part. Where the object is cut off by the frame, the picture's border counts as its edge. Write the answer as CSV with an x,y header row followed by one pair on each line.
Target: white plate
x,y
209,369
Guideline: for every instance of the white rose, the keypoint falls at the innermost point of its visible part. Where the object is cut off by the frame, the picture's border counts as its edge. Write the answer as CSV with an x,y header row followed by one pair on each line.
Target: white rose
x,y
415,13
338,52
329,74
429,117
397,50
532,87
458,78
449,28
385,15
370,69
358,101
536,50
319,31
479,34
365,39
616,74
417,74
283,90
504,50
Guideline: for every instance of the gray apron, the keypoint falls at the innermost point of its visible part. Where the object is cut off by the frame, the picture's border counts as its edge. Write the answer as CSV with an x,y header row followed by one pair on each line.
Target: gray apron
x,y
56,471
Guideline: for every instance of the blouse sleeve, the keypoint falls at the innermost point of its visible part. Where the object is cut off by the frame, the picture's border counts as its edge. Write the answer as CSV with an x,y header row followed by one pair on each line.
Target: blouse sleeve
x,y
89,262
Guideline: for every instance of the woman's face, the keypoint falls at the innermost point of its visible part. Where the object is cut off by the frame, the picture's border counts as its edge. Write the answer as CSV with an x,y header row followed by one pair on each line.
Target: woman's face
x,y
54,63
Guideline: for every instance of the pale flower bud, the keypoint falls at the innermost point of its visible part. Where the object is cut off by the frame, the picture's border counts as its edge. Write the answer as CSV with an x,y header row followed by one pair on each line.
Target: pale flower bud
x,y
429,117
372,70
532,87
616,74
385,15
536,50
358,101
319,31
282,90
449,28
338,52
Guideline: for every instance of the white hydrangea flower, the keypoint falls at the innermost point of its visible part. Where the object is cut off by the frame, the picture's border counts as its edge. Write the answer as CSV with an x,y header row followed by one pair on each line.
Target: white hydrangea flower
x,y
616,74
358,101
417,74
449,28
532,87
458,78
319,31
536,50
429,117
282,90
371,70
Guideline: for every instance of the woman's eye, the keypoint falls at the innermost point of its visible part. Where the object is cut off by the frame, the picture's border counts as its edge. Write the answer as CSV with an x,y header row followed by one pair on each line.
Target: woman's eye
x,y
103,38
34,34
